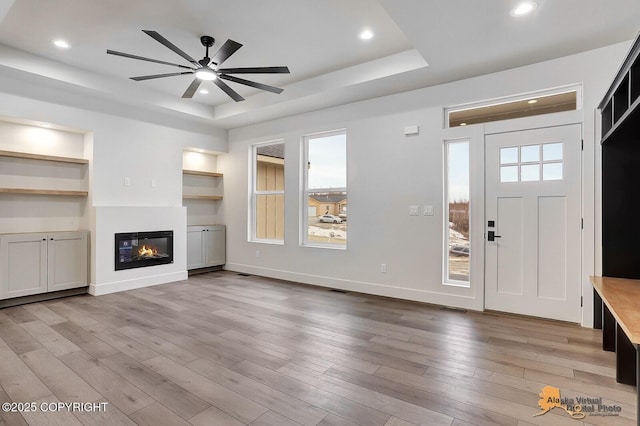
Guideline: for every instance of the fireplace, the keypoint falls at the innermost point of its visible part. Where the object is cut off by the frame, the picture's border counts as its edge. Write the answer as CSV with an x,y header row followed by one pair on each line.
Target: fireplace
x,y
140,249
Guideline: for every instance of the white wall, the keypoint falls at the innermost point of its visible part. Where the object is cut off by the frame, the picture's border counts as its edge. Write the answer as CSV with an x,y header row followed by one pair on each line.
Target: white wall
x,y
387,172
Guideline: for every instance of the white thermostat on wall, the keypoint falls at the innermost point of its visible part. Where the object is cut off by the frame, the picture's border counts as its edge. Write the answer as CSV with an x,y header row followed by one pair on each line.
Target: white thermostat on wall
x,y
411,130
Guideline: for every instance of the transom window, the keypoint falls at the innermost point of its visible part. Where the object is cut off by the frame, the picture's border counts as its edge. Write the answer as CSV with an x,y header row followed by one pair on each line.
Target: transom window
x,y
531,163
528,105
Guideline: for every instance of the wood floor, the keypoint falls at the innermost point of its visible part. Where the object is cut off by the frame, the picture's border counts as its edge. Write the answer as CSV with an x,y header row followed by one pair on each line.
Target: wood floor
x,y
227,349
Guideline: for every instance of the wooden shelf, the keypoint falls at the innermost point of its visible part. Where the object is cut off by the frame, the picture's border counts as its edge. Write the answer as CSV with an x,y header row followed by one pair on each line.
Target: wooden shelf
x,y
29,156
199,173
621,296
44,192
202,197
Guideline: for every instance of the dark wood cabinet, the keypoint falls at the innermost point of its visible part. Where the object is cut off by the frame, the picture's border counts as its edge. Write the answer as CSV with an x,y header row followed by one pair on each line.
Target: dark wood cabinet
x,y
620,111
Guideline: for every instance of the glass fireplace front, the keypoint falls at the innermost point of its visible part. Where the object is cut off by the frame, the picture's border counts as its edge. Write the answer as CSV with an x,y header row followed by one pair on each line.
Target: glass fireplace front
x,y
140,249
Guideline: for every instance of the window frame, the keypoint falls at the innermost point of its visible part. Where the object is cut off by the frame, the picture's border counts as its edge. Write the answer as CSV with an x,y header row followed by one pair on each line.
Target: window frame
x,y
304,186
254,193
446,198
577,88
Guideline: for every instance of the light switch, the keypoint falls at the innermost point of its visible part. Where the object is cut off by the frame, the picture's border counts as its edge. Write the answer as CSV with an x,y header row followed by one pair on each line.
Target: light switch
x,y
427,210
127,181
413,211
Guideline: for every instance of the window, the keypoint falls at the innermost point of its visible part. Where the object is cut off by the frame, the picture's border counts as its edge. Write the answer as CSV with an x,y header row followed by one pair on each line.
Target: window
x,y
532,104
324,215
531,163
267,192
457,253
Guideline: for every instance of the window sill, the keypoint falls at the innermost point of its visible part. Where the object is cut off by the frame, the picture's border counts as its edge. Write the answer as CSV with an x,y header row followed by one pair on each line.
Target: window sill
x,y
272,242
324,246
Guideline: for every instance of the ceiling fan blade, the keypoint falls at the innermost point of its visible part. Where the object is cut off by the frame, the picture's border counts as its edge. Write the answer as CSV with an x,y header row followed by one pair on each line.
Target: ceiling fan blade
x,y
157,37
228,90
255,70
257,85
191,90
228,48
149,77
141,58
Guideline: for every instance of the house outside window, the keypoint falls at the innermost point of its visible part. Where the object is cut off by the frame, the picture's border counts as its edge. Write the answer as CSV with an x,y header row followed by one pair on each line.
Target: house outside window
x,y
267,192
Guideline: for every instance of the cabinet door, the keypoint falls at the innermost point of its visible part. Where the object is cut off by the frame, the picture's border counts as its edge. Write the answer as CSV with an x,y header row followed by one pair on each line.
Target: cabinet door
x,y
195,247
67,260
23,265
215,246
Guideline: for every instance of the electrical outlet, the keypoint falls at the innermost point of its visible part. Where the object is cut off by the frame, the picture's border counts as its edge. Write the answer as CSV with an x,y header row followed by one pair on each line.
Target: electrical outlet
x,y
428,210
154,183
383,268
257,253
127,181
413,210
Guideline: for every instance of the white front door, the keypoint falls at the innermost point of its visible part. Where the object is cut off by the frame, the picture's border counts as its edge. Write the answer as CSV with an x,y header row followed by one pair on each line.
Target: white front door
x,y
533,198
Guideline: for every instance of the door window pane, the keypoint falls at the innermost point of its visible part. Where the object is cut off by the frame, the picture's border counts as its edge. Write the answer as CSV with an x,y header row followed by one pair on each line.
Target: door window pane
x,y
530,154
509,155
508,174
552,151
552,171
530,172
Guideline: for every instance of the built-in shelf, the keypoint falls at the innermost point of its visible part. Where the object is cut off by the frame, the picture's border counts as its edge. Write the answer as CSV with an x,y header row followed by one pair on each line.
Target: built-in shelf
x,y
621,104
30,156
44,192
202,197
199,173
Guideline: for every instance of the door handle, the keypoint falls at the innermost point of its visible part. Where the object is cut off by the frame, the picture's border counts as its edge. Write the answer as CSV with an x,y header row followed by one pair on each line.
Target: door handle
x,y
491,236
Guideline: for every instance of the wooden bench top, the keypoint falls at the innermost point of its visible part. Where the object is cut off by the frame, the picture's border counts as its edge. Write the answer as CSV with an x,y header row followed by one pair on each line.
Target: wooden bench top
x,y
622,297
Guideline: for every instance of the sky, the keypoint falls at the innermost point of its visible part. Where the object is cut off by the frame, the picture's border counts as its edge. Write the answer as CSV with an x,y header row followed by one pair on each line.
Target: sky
x,y
458,167
328,158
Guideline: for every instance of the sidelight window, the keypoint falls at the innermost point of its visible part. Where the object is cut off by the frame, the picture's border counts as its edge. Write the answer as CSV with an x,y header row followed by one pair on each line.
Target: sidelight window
x,y
457,247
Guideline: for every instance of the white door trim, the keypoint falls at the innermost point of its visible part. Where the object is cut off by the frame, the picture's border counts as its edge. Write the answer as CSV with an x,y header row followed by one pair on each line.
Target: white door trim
x,y
476,135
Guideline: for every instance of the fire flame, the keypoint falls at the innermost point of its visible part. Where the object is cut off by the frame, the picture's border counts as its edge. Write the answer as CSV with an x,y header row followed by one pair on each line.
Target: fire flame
x,y
144,251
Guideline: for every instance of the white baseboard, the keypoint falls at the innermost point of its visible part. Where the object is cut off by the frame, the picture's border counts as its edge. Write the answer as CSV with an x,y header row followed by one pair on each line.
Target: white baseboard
x,y
113,287
435,298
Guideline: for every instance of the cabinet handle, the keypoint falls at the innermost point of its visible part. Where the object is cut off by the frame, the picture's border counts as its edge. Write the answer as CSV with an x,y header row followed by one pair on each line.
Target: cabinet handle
x,y
44,239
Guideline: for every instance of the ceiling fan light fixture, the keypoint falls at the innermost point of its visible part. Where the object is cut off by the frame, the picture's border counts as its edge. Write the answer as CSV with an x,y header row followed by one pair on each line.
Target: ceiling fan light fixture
x,y
206,74
524,8
207,67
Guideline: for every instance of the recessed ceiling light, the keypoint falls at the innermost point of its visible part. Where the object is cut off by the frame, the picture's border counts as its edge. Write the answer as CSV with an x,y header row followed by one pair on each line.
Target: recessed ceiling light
x,y
524,8
62,44
366,35
533,101
204,91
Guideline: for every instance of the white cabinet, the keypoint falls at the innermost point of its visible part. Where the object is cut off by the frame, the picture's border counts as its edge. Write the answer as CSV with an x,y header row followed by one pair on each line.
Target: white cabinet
x,y
42,262
206,246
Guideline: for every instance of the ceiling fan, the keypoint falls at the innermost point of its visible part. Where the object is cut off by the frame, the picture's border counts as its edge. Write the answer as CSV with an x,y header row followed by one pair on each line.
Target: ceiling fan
x,y
208,68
